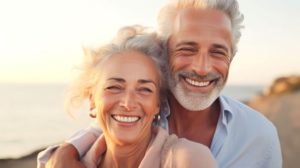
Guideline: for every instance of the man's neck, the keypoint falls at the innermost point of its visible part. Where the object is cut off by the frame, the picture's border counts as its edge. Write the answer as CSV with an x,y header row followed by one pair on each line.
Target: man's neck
x,y
198,126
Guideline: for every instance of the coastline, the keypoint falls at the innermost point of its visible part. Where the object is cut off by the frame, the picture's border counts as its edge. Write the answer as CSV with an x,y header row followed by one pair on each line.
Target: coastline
x,y
279,103
28,161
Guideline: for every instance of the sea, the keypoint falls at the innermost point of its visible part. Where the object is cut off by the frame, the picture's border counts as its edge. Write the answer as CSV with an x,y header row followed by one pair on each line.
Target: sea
x,y
32,116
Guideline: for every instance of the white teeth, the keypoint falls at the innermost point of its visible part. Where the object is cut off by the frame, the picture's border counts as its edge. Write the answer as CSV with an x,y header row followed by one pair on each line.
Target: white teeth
x,y
196,83
125,118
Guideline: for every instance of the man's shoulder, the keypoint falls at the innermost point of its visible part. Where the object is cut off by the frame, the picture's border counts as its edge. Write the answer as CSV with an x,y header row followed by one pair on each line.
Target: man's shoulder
x,y
246,118
241,110
251,137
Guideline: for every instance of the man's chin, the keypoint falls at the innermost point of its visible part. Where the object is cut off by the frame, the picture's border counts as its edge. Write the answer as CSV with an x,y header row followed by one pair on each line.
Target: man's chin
x,y
195,101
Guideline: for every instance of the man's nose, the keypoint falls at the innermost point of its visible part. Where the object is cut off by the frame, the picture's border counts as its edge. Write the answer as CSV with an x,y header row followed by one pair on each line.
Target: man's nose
x,y
128,102
202,64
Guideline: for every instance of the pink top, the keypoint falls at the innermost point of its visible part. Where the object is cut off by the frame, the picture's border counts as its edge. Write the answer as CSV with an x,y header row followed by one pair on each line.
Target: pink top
x,y
168,151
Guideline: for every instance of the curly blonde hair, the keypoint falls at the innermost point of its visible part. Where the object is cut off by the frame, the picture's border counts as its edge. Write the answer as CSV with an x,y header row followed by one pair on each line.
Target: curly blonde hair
x,y
136,38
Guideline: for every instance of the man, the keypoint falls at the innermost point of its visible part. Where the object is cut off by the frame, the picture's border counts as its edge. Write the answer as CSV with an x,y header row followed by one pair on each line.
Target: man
x,y
202,36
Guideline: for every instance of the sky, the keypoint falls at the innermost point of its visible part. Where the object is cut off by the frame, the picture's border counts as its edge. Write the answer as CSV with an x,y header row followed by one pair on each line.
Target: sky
x,y
41,40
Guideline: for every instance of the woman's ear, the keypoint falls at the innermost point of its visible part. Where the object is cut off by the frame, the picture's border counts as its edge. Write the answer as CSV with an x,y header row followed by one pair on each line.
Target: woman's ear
x,y
92,102
158,109
92,107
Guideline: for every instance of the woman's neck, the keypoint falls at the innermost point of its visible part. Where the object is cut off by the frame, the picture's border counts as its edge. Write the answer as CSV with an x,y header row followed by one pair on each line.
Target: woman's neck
x,y
125,156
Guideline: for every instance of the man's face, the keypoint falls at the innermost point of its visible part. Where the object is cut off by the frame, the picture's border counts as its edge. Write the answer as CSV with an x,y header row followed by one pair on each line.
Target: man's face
x,y
200,54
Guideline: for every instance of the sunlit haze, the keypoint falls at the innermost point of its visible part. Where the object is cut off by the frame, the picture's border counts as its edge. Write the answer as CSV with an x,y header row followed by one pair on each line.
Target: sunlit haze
x,y
41,40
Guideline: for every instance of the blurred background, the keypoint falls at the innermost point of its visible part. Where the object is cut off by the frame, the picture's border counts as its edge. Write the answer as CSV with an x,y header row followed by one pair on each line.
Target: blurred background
x,y
41,41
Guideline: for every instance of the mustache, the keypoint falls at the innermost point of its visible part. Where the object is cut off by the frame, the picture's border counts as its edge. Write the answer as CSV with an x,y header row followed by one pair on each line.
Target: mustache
x,y
208,77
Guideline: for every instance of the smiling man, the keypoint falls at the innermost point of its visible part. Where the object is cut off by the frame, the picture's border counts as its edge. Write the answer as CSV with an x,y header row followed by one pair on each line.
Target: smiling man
x,y
199,59
201,36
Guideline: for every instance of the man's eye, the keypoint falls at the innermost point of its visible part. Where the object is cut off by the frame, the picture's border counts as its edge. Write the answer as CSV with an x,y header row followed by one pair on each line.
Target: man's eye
x,y
218,53
186,49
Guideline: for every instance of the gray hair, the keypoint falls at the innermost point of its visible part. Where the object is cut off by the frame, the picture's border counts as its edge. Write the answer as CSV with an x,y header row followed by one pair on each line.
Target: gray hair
x,y
135,38
169,12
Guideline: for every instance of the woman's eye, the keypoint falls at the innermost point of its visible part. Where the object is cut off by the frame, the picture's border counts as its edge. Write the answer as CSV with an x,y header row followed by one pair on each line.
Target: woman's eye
x,y
113,88
145,90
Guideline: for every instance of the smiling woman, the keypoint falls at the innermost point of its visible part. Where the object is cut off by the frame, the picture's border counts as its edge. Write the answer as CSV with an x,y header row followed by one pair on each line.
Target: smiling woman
x,y
128,97
123,81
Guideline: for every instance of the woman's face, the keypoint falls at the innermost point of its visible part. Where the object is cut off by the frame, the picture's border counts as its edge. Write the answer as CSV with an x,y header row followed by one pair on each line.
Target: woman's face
x,y
127,97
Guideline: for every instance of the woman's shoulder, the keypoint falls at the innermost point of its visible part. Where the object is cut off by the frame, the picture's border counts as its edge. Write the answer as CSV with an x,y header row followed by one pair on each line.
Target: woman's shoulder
x,y
181,152
184,145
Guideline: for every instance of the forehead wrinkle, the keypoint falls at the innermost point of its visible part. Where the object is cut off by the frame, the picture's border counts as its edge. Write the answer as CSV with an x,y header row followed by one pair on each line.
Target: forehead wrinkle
x,y
206,17
206,20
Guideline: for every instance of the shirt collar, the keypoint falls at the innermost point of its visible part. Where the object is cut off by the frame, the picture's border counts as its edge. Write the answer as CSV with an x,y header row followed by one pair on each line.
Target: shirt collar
x,y
226,111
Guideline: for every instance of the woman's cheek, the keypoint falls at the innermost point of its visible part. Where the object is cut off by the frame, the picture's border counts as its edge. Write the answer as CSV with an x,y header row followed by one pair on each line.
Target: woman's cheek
x,y
151,105
105,105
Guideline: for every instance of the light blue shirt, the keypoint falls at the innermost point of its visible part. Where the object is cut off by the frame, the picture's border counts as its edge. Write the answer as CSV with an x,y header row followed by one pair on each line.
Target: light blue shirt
x,y
244,138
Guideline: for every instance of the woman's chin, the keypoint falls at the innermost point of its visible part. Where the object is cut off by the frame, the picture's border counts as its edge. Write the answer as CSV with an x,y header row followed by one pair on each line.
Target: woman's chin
x,y
126,139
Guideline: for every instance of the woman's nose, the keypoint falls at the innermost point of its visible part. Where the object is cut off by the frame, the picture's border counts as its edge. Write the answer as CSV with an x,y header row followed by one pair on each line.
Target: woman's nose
x,y
128,102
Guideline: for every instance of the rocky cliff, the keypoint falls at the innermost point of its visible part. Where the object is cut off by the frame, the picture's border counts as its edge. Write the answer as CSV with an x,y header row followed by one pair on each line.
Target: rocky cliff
x,y
281,104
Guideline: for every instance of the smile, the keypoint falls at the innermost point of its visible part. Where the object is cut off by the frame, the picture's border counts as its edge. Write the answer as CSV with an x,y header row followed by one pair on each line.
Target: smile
x,y
126,119
197,83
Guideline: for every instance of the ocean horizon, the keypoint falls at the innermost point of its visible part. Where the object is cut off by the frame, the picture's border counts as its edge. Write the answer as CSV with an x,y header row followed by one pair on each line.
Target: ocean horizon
x,y
32,115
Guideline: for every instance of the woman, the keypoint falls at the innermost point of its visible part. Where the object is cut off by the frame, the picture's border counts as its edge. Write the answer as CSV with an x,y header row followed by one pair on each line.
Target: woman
x,y
124,84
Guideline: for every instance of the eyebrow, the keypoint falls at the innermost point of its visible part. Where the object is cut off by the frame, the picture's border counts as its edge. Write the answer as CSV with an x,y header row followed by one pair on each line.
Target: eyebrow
x,y
141,81
117,79
195,45
190,43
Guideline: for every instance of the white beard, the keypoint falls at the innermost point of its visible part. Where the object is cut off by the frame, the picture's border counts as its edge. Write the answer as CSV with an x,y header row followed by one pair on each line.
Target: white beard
x,y
194,101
